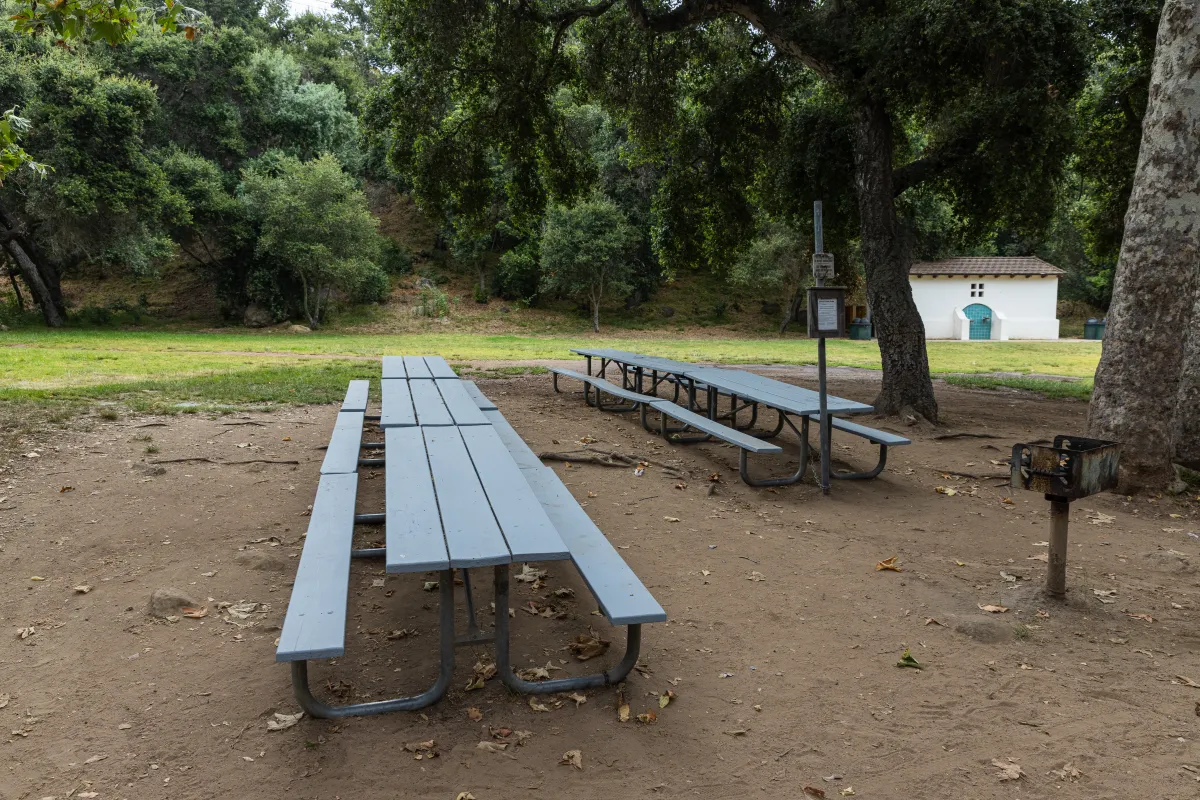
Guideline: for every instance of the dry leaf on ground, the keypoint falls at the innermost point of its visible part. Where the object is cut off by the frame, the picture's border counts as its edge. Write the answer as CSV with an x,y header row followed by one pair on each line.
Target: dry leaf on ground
x,y
588,645
888,564
194,613
474,714
1143,617
422,749
4,699
671,519
1069,772
528,574
578,698
536,706
1100,519
946,490
649,718
492,747
756,576
83,589
992,609
573,758
281,722
1182,679
1009,769
813,791
665,698
464,796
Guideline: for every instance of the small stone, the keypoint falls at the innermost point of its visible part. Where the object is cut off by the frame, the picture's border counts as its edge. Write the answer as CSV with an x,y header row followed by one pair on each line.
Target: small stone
x,y
165,603
299,329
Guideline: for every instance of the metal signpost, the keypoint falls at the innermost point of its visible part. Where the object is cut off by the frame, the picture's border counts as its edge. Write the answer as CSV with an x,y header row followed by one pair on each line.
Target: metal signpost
x,y
826,317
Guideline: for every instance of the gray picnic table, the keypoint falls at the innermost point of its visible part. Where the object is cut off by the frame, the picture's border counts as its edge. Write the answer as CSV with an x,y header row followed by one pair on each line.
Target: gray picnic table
x,y
461,492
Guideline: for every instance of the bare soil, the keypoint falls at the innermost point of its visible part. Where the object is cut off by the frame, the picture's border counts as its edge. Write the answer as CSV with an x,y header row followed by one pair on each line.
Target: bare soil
x,y
781,649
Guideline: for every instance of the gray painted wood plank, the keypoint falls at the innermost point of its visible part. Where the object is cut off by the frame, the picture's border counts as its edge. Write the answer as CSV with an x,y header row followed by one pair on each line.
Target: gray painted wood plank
x,y
415,542
397,404
460,405
393,367
529,533
723,432
315,624
870,434
478,396
356,396
472,535
521,452
342,455
619,592
438,367
416,368
427,400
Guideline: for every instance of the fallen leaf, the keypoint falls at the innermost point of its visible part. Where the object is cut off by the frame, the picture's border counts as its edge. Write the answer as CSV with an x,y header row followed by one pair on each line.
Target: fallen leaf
x,y
240,610
529,575
932,621
474,714
4,699
209,574
665,698
94,759
25,633
1008,501
536,706
426,749
907,660
83,589
281,722
1143,617
430,586
36,578
564,592
588,645
946,490
1100,519
1044,557
1069,772
756,576
1043,614
991,609
378,583
578,698
483,672
736,732
194,613
403,633
813,791
1186,681
572,758
847,792
124,726
65,489
888,564
623,712
464,796
1009,770
681,486
671,519
649,718
522,736
1007,577
592,494
1104,592
960,563
33,455
705,572
492,747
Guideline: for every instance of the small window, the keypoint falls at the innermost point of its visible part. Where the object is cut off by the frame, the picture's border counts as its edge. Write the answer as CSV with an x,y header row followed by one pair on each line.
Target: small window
x,y
980,290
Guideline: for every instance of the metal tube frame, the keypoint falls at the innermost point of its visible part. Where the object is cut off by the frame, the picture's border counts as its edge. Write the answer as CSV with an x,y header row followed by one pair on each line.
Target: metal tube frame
x,y
633,644
744,462
316,708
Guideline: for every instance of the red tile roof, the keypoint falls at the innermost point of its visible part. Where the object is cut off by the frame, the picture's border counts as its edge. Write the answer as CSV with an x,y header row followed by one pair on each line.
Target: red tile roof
x,y
986,265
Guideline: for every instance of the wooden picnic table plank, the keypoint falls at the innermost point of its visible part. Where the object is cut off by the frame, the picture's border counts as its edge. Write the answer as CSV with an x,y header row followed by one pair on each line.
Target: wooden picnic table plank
x,y
315,625
356,396
473,536
415,542
430,407
393,367
342,453
416,368
529,533
438,367
459,403
398,408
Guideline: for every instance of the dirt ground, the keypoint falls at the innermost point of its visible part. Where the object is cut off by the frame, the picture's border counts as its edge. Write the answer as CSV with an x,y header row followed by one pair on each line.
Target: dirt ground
x,y
781,649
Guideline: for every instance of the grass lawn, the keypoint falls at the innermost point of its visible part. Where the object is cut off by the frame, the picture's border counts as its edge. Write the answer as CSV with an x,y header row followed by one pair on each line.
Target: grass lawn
x,y
48,375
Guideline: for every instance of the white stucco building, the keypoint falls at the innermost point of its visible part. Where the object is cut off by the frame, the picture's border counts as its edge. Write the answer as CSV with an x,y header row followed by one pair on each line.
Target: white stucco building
x,y
987,298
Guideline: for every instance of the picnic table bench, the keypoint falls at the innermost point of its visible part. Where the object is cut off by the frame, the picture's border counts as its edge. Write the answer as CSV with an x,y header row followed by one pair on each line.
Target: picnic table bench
x,y
461,492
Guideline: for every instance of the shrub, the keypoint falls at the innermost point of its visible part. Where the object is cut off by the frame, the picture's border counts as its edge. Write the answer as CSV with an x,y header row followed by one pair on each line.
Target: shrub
x,y
432,302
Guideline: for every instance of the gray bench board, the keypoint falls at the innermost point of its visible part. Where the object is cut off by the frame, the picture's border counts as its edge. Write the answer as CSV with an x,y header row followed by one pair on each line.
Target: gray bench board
x,y
460,405
315,624
344,444
356,396
602,385
472,535
524,524
478,396
621,596
397,404
438,367
870,434
723,432
415,542
393,367
416,367
521,453
427,400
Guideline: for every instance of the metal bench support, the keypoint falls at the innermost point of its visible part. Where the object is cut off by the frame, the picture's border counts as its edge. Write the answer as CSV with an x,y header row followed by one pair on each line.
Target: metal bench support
x,y
316,708
797,476
633,645
853,476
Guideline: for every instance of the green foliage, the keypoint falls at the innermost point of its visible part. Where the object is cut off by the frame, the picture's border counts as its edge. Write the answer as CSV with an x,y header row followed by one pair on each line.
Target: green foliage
x,y
12,157
394,259
518,272
314,225
586,252
111,21
432,302
775,261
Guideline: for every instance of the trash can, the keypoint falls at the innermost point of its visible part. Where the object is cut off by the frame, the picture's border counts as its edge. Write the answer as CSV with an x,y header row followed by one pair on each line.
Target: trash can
x,y
860,329
1094,328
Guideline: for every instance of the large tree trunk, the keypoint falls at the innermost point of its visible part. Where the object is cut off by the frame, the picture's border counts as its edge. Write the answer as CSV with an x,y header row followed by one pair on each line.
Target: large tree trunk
x,y
40,275
1154,292
898,326
1186,433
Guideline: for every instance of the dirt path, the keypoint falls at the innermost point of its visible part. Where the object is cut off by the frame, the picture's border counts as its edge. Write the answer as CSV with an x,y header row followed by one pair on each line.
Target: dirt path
x,y
781,647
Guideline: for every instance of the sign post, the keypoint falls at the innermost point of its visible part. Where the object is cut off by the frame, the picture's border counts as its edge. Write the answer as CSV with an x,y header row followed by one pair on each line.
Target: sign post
x,y
826,317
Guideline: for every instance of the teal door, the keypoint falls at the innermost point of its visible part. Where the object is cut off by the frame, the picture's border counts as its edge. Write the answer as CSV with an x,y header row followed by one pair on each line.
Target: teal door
x,y
981,320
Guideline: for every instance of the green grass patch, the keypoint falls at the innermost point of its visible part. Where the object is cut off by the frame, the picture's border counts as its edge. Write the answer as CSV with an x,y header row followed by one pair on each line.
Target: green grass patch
x,y
1058,390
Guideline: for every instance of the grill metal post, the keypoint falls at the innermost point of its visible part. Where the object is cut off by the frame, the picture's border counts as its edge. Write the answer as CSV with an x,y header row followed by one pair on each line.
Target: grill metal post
x,y
1056,569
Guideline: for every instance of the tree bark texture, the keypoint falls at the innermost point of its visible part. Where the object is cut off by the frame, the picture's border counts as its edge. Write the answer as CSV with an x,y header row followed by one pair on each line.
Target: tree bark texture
x,y
1138,383
40,275
898,326
1186,432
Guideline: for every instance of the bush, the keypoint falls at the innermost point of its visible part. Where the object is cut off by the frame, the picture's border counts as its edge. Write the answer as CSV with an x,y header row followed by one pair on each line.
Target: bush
x,y
481,295
374,287
394,258
432,302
